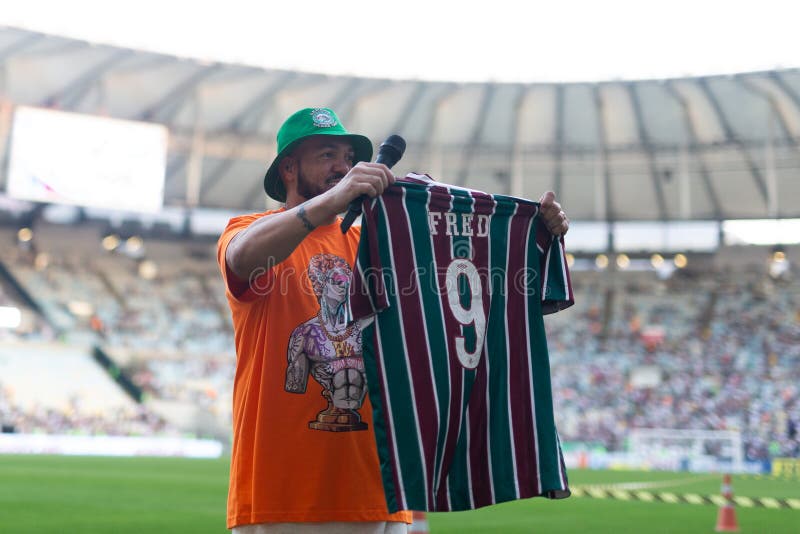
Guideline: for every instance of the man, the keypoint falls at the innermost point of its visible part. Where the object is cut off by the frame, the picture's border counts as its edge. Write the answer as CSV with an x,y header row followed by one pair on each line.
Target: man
x,y
303,456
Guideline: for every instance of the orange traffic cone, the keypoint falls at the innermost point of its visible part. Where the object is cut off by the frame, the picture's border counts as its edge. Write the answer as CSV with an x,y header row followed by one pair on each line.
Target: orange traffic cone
x,y
726,517
419,524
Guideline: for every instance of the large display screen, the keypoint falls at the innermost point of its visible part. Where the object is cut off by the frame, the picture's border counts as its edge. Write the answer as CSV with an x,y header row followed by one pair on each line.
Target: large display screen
x,y
85,160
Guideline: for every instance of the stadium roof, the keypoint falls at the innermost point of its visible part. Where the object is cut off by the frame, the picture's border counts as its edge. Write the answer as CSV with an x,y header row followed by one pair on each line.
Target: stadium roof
x,y
712,148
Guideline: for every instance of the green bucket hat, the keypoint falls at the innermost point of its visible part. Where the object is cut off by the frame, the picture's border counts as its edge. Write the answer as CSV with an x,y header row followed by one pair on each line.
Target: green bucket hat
x,y
304,124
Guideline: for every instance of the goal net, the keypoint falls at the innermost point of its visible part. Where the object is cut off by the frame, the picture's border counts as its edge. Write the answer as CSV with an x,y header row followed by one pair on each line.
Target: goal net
x,y
695,450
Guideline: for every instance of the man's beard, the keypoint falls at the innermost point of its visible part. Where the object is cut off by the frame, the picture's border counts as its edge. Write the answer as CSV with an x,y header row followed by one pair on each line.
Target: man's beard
x,y
308,189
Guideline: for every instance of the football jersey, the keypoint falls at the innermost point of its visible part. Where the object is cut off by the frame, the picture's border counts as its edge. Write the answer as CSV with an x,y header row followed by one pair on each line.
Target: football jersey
x,y
455,282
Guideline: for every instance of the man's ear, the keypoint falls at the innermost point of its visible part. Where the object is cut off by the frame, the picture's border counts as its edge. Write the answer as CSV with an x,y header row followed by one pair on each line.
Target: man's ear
x,y
287,170
288,165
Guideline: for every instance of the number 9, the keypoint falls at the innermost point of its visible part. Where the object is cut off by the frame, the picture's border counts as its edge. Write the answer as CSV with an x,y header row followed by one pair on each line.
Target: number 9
x,y
467,316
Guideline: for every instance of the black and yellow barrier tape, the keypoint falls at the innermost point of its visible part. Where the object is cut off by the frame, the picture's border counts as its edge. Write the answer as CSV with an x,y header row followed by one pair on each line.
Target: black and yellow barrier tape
x,y
596,492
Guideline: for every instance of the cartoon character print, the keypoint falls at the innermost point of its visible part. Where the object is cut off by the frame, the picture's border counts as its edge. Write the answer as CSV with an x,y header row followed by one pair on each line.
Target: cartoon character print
x,y
328,348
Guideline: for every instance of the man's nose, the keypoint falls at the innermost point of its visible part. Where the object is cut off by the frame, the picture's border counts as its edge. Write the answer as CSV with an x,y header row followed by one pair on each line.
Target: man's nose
x,y
342,165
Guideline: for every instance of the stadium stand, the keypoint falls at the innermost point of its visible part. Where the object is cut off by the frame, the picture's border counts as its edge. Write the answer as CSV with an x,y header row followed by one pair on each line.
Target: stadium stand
x,y
48,388
166,333
711,347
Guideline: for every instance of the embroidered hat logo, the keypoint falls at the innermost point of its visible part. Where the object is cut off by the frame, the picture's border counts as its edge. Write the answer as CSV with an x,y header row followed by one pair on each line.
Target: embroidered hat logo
x,y
322,118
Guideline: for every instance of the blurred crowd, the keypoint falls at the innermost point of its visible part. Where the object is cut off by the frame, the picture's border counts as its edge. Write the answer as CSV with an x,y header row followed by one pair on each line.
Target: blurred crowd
x,y
712,352
702,351
168,332
73,420
181,309
205,382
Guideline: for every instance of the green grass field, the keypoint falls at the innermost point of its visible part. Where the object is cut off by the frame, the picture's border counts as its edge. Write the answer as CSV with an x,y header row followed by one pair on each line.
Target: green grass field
x,y
166,495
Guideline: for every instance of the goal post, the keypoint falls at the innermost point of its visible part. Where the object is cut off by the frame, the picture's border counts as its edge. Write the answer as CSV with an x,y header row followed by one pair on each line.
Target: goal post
x,y
694,448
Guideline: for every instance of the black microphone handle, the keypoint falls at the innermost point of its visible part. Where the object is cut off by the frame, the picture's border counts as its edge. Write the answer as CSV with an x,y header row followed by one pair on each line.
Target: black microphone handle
x,y
353,211
389,153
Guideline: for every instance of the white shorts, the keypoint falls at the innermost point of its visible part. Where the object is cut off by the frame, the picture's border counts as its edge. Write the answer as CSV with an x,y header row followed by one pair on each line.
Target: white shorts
x,y
336,527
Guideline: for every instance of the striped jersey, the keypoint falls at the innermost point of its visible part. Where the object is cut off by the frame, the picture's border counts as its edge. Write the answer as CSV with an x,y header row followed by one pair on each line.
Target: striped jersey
x,y
451,285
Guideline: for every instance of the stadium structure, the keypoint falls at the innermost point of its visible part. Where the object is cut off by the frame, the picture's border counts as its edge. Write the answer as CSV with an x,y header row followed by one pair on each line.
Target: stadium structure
x,y
121,323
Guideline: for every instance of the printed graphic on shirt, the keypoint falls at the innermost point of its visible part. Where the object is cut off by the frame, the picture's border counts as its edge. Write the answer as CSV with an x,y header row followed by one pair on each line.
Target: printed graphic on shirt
x,y
328,348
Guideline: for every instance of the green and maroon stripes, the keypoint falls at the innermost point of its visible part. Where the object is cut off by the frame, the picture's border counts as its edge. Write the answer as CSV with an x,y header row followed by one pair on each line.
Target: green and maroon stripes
x,y
556,284
468,475
521,396
363,290
503,457
437,341
406,304
375,361
384,426
410,392
551,475
442,256
479,415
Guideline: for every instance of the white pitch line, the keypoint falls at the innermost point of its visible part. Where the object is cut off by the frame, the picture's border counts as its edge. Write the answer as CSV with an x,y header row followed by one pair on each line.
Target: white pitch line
x,y
649,485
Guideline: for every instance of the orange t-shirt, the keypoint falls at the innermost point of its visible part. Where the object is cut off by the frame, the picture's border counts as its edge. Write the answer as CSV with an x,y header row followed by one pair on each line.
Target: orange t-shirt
x,y
296,358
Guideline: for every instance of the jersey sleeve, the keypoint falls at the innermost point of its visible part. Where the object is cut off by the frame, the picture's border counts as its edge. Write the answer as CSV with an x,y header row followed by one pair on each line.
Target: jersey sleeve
x,y
368,290
235,288
556,287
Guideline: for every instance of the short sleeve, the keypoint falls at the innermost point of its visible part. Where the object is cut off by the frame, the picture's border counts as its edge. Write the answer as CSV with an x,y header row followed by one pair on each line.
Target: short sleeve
x,y
236,288
367,290
556,289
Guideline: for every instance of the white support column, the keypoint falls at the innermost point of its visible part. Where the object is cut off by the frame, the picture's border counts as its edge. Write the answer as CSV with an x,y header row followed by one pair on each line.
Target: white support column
x,y
517,172
599,187
738,452
685,185
6,112
5,123
436,146
437,163
102,97
769,166
194,168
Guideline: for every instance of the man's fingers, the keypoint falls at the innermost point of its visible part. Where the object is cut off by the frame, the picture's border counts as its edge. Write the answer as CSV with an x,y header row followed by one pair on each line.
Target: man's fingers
x,y
372,185
555,220
366,188
553,214
559,224
547,199
378,170
554,217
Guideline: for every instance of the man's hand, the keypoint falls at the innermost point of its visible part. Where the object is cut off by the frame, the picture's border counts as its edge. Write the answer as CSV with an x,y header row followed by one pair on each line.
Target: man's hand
x,y
364,178
553,216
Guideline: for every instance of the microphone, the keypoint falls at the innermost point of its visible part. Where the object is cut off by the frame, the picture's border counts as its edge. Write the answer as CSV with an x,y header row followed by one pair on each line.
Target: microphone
x,y
391,150
389,153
